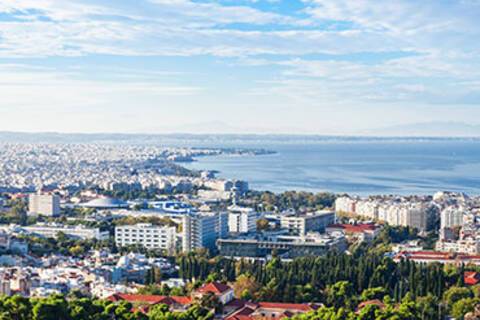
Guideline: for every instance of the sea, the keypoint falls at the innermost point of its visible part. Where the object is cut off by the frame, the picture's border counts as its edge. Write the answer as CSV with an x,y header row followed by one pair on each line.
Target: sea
x,y
356,166
353,165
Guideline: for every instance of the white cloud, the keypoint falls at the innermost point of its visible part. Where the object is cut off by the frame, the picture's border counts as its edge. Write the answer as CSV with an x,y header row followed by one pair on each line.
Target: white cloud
x,y
352,37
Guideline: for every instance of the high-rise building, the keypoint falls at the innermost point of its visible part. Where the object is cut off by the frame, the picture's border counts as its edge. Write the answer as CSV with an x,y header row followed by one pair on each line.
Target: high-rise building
x,y
44,204
201,230
241,219
147,235
451,217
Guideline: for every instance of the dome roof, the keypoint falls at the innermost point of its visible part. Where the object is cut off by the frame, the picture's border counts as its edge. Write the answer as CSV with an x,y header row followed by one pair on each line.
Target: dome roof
x,y
105,203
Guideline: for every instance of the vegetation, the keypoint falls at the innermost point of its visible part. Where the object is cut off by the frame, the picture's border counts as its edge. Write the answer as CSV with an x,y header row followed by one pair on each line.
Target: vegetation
x,y
342,281
63,245
57,307
297,200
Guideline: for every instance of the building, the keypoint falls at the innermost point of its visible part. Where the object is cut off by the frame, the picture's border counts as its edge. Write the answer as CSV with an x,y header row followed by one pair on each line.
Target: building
x,y
302,224
144,302
79,232
451,217
361,232
415,212
438,257
241,219
147,235
44,204
104,203
471,278
271,310
202,229
223,292
286,246
471,246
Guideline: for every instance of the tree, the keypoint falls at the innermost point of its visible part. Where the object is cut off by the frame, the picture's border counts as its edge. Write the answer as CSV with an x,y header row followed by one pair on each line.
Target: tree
x,y
455,294
373,293
462,306
245,287
338,294
16,307
262,224
52,308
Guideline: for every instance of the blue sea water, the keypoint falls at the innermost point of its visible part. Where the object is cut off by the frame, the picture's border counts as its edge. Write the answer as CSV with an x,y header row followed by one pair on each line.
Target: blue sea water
x,y
354,166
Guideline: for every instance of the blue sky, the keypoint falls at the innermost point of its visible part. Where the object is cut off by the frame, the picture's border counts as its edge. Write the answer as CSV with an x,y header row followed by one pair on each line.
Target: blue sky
x,y
259,66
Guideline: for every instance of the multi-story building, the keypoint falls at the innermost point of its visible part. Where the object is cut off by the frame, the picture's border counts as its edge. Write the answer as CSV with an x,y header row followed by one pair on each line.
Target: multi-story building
x,y
415,216
44,204
79,232
241,219
345,204
303,223
416,212
470,246
451,217
201,230
286,246
147,235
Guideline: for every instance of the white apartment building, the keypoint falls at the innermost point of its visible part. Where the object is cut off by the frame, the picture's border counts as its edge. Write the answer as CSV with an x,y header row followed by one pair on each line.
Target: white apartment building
x,y
451,217
80,232
470,246
241,219
147,235
44,204
345,204
219,185
395,212
201,230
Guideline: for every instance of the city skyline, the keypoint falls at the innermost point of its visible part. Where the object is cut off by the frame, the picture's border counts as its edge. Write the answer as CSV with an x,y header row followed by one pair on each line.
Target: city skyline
x,y
307,67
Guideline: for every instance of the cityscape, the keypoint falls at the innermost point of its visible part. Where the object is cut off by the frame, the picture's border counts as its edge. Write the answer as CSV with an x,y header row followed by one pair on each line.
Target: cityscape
x,y
239,160
132,227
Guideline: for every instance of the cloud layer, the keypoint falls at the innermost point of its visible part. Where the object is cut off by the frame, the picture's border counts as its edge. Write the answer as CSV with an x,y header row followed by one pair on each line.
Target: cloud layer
x,y
333,57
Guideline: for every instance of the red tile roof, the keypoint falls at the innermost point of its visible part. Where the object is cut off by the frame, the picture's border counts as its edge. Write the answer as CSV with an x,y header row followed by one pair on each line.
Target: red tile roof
x,y
376,302
214,287
286,306
285,310
471,277
150,299
236,303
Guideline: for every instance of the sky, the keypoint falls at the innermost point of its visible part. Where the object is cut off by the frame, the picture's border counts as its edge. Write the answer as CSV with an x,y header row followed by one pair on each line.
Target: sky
x,y
246,66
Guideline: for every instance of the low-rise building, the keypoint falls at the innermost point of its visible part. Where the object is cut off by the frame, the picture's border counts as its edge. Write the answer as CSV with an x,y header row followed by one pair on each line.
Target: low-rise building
x,y
223,292
286,246
302,223
147,235
79,231
360,232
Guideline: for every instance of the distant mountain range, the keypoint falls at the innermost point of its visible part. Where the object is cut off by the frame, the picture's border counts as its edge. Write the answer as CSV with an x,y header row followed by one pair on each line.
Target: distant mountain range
x,y
427,129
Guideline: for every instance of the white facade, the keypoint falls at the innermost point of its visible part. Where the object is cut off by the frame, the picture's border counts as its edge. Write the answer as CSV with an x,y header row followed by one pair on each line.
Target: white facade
x,y
242,220
394,211
44,204
201,230
451,217
146,235
51,231
471,246
302,224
